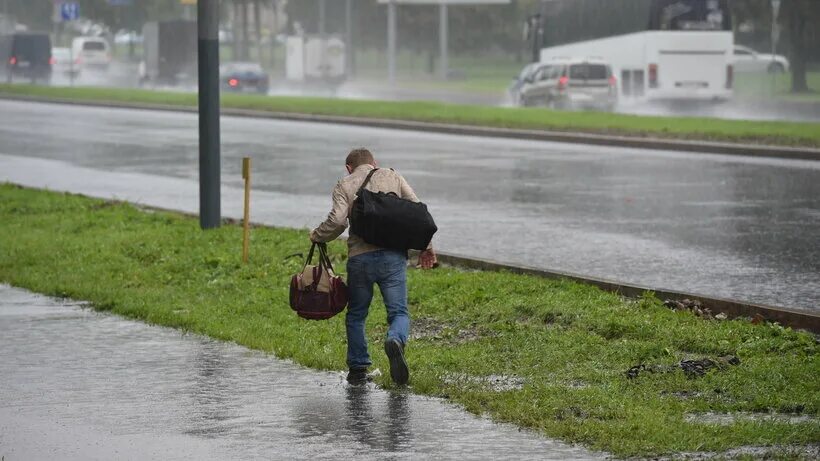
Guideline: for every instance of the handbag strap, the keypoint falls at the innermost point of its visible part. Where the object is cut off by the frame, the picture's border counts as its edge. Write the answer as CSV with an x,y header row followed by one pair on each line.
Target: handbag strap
x,y
367,179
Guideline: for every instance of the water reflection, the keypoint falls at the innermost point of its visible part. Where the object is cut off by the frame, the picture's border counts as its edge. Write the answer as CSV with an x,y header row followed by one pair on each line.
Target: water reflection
x,y
210,392
389,431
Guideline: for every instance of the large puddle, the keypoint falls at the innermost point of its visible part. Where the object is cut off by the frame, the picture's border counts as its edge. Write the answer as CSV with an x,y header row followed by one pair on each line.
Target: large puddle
x,y
77,384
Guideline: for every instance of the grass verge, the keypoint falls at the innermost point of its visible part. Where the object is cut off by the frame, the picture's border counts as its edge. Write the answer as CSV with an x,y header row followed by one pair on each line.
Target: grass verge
x,y
765,86
691,128
548,355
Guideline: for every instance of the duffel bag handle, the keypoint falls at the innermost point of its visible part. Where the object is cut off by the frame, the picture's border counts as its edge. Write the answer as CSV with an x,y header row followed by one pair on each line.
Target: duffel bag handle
x,y
310,255
324,259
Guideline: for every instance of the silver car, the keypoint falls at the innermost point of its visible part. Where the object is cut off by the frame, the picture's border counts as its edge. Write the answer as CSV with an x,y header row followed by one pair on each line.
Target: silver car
x,y
571,84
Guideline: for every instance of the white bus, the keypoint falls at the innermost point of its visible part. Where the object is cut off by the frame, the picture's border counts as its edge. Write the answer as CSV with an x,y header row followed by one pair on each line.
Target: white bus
x,y
685,53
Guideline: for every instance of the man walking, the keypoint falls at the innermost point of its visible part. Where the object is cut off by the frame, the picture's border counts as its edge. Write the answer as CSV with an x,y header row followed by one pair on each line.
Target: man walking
x,y
368,264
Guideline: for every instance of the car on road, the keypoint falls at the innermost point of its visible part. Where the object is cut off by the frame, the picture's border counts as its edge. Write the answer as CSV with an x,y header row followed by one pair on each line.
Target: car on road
x,y
749,60
26,55
92,52
578,83
243,77
64,63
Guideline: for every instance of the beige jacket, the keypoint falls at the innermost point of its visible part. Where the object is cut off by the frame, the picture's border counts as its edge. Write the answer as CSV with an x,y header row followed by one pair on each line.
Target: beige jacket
x,y
384,180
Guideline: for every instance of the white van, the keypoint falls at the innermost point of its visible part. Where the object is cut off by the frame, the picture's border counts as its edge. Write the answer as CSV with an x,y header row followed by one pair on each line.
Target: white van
x,y
91,52
575,83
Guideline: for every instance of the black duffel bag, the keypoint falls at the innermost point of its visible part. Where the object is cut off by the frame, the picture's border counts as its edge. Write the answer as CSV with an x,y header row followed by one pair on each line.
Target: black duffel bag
x,y
389,221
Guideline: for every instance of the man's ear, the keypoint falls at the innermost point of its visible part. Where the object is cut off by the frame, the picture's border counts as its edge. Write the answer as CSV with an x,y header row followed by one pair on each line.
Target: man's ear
x,y
349,170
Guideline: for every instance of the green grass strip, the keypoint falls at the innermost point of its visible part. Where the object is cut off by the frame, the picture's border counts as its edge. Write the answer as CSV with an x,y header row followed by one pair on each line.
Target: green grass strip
x,y
562,348
688,128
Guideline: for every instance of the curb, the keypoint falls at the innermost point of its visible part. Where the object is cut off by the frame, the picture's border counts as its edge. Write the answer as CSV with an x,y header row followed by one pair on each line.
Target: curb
x,y
798,319
705,147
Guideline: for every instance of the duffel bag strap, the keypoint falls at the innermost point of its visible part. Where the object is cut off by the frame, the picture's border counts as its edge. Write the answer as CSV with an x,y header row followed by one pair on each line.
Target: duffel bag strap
x,y
367,179
323,257
310,255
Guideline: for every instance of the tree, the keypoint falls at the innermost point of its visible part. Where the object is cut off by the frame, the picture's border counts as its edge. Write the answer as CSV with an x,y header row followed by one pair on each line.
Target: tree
x,y
797,14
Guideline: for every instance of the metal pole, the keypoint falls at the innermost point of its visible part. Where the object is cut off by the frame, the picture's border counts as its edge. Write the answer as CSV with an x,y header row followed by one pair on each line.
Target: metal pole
x,y
245,40
391,42
209,162
349,37
322,18
235,45
442,39
775,35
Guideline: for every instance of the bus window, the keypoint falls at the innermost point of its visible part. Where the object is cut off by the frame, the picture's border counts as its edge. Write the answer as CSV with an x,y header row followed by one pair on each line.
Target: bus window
x,y
697,15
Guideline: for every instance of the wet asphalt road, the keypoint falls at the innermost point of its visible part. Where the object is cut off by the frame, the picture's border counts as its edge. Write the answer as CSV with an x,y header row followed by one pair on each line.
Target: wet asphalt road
x,y
718,225
81,385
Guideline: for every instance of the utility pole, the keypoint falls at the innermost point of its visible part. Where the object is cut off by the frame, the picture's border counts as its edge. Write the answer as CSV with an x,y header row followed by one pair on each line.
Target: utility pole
x,y
209,158
349,37
775,37
391,41
245,38
257,26
442,39
321,28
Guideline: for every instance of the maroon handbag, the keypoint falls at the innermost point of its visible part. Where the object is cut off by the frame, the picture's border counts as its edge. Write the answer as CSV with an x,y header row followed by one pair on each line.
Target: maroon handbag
x,y
316,293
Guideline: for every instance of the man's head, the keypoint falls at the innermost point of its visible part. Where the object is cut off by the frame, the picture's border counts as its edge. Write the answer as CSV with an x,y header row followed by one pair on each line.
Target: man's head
x,y
357,158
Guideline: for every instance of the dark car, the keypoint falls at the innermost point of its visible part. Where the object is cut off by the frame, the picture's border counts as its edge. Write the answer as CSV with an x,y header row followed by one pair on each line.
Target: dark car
x,y
243,76
26,55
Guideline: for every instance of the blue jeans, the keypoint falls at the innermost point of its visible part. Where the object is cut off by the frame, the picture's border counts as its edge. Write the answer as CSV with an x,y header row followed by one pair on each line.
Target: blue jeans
x,y
388,269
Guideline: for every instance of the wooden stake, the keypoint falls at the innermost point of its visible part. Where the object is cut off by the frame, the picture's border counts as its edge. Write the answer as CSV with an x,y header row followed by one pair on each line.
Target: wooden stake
x,y
246,175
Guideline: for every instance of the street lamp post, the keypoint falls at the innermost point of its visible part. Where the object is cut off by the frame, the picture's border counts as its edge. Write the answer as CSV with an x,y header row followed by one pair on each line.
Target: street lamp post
x,y
442,40
391,41
209,159
775,37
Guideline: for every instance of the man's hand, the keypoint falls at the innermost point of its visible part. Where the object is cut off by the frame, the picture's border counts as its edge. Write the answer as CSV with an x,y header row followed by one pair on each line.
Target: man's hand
x,y
427,259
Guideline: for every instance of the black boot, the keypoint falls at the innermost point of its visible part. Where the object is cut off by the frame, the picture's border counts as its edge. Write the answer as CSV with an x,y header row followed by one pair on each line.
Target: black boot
x,y
357,376
398,366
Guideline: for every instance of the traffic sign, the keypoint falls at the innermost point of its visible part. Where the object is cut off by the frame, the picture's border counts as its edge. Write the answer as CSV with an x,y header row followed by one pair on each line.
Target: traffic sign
x,y
70,11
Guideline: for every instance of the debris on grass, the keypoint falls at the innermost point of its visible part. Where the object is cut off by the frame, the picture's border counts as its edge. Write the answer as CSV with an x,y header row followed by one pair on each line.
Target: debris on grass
x,y
691,368
694,306
496,383
806,452
427,328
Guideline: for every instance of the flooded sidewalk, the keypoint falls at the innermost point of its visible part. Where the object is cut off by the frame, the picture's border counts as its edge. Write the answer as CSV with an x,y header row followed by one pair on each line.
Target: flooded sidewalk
x,y
79,384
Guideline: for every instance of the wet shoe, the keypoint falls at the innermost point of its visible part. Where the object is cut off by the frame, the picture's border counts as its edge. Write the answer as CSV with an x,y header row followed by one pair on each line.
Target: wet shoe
x,y
357,377
398,366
